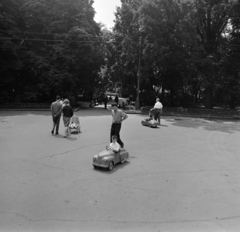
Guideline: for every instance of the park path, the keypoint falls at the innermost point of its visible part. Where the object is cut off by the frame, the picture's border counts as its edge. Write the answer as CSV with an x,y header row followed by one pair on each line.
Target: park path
x,y
183,176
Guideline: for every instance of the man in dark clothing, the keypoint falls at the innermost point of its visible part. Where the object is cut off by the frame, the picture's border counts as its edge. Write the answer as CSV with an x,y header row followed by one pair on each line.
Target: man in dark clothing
x,y
116,99
56,109
105,100
117,117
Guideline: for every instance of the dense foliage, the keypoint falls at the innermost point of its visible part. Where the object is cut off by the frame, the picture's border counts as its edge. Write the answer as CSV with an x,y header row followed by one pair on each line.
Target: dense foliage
x,y
48,48
186,52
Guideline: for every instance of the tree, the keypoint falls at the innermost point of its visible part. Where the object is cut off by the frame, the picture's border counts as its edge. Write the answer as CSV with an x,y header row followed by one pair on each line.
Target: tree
x,y
127,32
169,45
66,56
11,50
231,59
54,47
211,19
179,46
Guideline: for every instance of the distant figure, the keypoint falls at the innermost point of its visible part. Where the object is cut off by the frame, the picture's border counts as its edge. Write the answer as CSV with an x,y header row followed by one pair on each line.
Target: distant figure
x,y
116,99
105,100
158,110
67,114
56,110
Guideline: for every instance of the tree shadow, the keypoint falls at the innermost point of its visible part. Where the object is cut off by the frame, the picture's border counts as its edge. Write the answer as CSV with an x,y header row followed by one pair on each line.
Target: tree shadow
x,y
226,126
83,112
24,113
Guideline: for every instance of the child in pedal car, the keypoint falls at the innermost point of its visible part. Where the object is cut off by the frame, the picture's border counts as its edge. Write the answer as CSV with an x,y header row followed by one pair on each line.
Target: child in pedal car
x,y
114,145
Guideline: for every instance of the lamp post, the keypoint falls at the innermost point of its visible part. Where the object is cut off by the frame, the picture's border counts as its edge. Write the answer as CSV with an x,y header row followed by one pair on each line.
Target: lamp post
x,y
137,105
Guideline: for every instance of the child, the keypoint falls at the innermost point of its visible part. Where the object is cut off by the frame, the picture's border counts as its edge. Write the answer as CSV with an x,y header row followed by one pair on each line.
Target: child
x,y
152,116
149,119
114,145
74,123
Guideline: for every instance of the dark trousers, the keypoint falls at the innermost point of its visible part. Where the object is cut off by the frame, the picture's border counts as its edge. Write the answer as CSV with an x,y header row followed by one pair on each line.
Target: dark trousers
x,y
157,115
115,130
105,105
56,121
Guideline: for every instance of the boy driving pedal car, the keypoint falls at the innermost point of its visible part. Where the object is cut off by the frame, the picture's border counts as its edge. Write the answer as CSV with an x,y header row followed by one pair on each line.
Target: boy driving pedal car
x,y
114,145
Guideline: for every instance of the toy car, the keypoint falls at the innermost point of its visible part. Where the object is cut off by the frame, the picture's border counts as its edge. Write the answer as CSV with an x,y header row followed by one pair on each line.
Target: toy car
x,y
108,158
150,123
152,120
74,124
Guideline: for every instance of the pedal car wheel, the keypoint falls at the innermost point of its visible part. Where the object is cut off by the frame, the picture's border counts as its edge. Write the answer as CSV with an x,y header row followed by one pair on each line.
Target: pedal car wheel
x,y
123,160
110,166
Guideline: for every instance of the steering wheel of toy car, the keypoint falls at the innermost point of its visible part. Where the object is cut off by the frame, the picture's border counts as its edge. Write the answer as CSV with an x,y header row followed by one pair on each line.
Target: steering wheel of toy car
x,y
110,148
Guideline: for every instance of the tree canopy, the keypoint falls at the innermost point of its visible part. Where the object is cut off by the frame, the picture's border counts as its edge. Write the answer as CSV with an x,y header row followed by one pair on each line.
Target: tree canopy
x,y
54,47
186,52
181,47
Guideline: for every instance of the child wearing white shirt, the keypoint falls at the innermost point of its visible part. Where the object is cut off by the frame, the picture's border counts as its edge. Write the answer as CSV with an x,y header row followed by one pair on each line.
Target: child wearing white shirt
x,y
114,145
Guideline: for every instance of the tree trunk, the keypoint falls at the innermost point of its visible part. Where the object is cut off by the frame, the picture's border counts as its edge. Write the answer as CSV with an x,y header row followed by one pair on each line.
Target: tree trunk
x,y
232,101
137,102
209,97
163,93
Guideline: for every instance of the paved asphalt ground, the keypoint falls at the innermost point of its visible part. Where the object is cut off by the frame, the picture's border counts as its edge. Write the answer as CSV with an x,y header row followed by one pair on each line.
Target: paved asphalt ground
x,y
183,176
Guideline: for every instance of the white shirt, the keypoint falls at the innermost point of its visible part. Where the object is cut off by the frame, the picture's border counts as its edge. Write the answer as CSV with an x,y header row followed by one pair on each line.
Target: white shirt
x,y
115,146
158,105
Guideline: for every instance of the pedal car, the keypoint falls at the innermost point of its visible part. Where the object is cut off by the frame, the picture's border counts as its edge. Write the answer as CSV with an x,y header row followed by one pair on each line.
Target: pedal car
x,y
151,121
108,158
74,124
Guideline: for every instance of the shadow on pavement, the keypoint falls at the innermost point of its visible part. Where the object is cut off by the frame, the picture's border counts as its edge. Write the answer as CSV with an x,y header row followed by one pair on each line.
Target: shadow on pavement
x,y
70,138
162,125
115,169
23,113
225,126
96,111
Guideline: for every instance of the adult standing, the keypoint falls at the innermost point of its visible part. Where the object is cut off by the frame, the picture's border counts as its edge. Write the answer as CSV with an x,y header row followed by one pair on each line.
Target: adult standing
x,y
158,110
117,117
67,114
116,99
56,109
105,100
